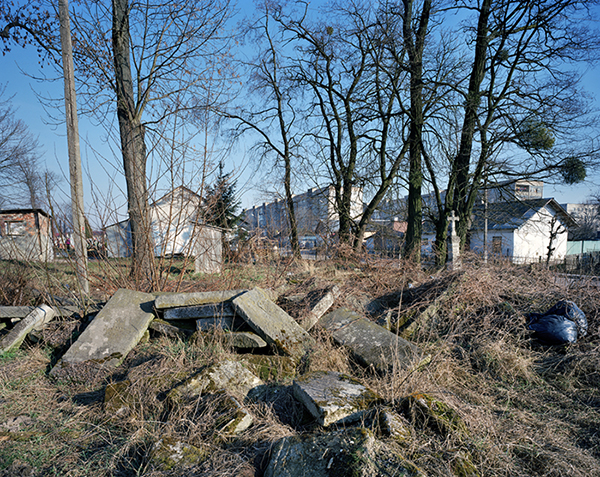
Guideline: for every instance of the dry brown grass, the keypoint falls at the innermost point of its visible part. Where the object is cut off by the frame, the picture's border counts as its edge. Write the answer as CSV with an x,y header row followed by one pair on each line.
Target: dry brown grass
x,y
528,410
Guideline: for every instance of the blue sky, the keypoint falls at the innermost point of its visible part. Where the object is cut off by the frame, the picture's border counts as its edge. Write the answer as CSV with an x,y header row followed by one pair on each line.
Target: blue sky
x,y
53,141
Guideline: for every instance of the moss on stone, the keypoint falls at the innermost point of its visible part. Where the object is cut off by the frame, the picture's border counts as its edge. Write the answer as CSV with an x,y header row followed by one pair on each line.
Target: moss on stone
x,y
434,413
169,453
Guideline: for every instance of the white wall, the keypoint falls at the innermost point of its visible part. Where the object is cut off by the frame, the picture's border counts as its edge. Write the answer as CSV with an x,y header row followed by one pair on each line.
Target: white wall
x,y
533,237
173,223
508,245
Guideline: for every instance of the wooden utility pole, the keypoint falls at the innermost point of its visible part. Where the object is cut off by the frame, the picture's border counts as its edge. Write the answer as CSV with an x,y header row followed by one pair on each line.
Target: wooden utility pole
x,y
79,241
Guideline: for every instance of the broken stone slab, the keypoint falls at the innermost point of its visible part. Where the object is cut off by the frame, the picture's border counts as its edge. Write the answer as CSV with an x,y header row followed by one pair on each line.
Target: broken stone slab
x,y
434,413
113,333
177,300
231,376
425,319
34,320
353,452
243,340
321,308
272,324
334,397
270,368
167,329
211,310
224,323
235,418
385,422
372,345
17,313
20,312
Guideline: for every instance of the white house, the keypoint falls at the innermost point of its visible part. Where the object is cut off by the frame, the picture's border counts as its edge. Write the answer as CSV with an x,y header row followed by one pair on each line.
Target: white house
x,y
524,230
177,229
520,230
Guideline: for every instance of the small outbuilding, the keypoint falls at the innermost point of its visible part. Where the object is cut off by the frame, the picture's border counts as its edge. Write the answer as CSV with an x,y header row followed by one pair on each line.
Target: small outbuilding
x,y
177,230
26,234
524,231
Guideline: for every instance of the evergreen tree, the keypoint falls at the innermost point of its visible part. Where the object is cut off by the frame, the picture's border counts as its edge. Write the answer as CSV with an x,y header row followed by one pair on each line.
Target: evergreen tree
x,y
221,202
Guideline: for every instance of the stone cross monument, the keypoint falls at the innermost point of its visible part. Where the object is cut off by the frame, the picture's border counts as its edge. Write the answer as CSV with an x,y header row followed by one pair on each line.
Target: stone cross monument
x,y
454,249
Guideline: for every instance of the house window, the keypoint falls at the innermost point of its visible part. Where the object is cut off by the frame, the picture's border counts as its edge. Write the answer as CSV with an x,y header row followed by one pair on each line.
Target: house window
x,y
497,245
14,228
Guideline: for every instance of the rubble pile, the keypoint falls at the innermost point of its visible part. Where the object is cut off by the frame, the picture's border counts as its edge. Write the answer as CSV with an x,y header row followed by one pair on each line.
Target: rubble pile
x,y
354,428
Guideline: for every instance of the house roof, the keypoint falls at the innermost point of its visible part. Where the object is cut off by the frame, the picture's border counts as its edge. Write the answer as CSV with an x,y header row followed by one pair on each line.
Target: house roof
x,y
24,211
512,215
182,189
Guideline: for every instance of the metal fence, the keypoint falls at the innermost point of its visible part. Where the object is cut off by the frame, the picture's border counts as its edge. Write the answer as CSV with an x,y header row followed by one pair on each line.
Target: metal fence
x,y
585,263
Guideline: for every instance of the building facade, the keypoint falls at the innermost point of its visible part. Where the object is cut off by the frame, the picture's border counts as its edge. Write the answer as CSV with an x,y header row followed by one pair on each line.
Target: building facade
x,y
26,234
177,229
315,210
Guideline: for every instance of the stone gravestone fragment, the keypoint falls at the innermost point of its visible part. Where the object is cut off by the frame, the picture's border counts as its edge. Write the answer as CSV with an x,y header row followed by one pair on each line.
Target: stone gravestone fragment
x,y
351,452
167,329
113,333
224,323
272,324
230,376
174,300
211,310
34,320
19,312
321,308
333,397
371,344
244,339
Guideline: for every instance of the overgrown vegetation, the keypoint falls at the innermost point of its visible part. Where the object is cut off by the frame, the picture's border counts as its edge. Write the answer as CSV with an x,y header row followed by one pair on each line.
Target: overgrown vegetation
x,y
506,405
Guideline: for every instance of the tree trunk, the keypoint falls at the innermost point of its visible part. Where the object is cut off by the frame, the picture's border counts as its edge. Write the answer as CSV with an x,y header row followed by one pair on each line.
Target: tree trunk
x,y
415,43
133,148
289,197
463,159
77,206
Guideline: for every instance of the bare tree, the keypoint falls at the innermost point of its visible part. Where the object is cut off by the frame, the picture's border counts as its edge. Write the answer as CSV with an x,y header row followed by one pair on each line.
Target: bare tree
x,y
23,178
354,116
16,142
274,119
556,229
522,112
150,62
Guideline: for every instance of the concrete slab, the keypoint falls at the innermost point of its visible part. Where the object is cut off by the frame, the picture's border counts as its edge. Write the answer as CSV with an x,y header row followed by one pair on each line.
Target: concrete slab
x,y
244,340
113,333
174,300
372,345
334,397
34,320
351,452
167,329
230,376
321,308
224,323
272,324
212,310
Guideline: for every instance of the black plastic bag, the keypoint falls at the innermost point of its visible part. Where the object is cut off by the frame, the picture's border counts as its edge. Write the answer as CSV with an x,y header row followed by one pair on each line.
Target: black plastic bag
x,y
572,312
553,329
